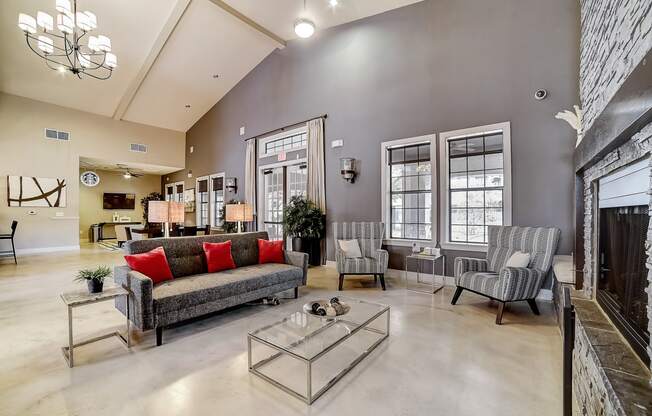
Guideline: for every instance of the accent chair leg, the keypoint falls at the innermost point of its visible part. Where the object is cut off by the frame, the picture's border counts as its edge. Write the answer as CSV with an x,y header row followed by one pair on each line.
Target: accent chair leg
x,y
382,280
375,278
296,292
159,336
13,249
533,306
341,281
499,315
457,294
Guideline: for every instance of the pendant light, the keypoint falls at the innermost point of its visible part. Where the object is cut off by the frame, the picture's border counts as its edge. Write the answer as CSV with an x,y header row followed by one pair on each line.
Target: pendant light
x,y
304,28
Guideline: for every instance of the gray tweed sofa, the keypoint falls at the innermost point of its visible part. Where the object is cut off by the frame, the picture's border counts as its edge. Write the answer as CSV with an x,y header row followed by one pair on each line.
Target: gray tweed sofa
x,y
194,292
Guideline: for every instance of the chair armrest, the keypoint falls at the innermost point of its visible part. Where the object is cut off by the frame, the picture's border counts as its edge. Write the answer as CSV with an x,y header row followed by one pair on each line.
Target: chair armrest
x,y
519,283
382,257
141,304
296,258
469,264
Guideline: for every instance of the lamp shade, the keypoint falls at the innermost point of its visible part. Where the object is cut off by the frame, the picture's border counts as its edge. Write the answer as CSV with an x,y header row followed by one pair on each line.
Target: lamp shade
x,y
165,211
239,212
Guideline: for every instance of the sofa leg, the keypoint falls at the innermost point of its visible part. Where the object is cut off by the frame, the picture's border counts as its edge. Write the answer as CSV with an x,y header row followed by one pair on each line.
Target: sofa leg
x,y
533,306
382,280
457,294
341,281
159,336
375,278
296,292
499,315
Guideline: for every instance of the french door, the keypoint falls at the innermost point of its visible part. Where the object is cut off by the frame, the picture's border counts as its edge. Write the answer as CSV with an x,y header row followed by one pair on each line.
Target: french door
x,y
278,185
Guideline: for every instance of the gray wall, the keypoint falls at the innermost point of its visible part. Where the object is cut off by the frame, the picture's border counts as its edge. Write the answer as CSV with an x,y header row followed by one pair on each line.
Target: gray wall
x,y
430,67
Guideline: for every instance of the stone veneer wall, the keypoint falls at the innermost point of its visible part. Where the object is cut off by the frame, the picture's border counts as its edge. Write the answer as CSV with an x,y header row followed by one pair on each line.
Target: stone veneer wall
x,y
616,35
639,146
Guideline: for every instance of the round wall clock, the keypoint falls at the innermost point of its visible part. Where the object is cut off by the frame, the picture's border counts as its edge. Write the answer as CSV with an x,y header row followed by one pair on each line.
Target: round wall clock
x,y
90,178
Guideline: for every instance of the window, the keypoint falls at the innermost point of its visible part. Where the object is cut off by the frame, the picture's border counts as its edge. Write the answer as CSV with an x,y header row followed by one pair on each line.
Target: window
x,y
216,199
202,202
477,190
179,193
407,179
169,193
284,142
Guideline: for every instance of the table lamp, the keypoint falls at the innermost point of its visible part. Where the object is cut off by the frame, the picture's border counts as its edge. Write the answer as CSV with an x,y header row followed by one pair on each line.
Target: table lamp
x,y
165,212
239,213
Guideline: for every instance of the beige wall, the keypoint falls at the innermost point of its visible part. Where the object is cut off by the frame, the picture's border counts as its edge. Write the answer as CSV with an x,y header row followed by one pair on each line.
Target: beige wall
x,y
25,151
90,199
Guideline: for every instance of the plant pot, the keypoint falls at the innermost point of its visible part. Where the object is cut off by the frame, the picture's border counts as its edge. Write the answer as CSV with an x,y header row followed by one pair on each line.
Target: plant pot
x,y
95,286
311,246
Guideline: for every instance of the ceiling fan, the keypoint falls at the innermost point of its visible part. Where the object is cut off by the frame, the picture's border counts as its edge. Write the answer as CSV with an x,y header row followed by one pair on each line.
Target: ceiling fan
x,y
128,173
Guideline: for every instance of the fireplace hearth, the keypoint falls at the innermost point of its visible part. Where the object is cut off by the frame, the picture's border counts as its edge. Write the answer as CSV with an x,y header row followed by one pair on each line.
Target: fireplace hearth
x,y
622,276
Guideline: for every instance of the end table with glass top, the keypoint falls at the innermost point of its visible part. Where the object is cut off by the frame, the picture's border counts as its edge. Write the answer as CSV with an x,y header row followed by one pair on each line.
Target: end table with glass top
x,y
419,286
81,298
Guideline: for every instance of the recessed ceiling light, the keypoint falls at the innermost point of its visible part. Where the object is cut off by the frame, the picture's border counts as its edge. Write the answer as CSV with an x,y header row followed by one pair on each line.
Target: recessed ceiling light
x,y
304,28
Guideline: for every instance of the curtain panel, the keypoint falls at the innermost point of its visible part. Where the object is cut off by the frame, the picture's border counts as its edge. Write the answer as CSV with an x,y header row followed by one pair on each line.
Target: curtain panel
x,y
250,177
316,181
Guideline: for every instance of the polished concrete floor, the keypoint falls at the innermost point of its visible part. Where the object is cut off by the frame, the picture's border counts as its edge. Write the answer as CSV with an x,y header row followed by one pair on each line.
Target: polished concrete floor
x,y
439,359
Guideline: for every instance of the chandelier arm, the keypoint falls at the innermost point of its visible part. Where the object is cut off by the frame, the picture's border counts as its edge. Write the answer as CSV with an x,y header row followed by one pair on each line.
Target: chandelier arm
x,y
100,65
96,77
45,57
53,45
72,50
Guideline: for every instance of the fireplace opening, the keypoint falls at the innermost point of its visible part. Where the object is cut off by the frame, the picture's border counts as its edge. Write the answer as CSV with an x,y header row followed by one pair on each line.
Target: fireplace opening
x,y
622,277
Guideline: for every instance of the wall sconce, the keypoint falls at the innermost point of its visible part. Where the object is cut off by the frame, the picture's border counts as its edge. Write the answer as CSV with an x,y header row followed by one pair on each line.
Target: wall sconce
x,y
231,184
347,169
190,173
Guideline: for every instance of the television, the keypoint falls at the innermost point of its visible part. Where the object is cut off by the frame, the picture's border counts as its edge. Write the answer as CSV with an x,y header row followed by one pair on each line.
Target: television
x,y
119,201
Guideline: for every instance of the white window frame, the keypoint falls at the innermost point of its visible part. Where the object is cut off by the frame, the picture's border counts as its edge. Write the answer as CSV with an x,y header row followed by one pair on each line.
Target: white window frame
x,y
262,142
444,138
211,201
168,186
198,203
385,181
175,197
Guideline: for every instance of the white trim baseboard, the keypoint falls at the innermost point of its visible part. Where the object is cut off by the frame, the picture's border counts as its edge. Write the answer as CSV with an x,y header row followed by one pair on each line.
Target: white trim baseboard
x,y
41,250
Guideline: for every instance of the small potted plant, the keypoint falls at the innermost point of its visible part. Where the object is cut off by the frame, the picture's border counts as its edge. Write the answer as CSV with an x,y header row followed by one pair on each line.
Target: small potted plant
x,y
305,223
94,278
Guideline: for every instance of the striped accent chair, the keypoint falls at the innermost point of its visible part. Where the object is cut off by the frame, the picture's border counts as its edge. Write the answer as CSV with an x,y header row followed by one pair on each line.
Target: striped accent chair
x,y
489,277
370,237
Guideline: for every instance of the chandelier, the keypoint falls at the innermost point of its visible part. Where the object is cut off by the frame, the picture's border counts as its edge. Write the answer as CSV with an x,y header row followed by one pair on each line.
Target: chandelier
x,y
73,48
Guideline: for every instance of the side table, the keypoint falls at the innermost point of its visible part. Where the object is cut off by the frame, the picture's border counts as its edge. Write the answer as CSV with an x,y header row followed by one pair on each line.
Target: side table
x,y
75,299
426,257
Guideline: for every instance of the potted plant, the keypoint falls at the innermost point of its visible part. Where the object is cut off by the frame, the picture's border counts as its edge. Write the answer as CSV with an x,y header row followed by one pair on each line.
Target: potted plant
x,y
305,223
94,278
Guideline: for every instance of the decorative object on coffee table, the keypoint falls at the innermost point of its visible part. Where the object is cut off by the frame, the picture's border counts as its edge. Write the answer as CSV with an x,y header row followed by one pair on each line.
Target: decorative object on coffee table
x,y
76,299
94,278
327,308
306,338
306,224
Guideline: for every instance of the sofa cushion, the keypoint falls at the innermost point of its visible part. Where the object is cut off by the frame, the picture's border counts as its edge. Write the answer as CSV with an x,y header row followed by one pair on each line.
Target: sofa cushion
x,y
270,251
206,287
186,254
218,256
152,264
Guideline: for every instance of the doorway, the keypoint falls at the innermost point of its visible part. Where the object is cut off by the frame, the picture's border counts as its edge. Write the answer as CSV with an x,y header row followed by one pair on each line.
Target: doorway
x,y
278,184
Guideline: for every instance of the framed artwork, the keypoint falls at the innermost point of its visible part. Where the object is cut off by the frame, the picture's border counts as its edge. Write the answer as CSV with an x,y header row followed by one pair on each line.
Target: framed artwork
x,y
189,200
30,191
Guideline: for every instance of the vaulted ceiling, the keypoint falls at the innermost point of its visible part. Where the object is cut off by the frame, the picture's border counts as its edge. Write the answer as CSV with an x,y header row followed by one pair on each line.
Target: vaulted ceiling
x,y
176,58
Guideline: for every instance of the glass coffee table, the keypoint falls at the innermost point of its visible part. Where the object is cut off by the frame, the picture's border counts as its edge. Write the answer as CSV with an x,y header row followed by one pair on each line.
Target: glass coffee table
x,y
305,355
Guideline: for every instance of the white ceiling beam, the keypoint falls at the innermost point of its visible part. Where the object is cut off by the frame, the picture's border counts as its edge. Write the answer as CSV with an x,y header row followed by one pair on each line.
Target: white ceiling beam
x,y
177,13
251,23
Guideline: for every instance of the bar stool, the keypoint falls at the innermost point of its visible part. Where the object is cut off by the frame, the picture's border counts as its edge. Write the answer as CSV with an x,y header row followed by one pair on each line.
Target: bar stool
x,y
14,224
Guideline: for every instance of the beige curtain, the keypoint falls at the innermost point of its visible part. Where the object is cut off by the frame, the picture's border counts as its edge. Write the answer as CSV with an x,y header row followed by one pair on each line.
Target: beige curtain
x,y
250,176
316,183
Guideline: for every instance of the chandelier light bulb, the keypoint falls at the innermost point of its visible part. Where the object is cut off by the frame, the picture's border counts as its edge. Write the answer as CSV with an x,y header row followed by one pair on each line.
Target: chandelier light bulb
x,y
83,22
103,43
63,6
92,44
92,20
84,60
65,23
45,21
26,23
111,60
45,44
304,28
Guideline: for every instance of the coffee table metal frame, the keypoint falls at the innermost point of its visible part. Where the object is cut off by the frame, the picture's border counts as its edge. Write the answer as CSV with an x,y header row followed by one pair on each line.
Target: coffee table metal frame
x,y
433,259
310,397
75,299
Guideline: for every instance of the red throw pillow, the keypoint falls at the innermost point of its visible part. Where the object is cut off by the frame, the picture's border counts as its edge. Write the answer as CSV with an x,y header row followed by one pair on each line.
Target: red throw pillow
x,y
152,264
218,256
270,251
